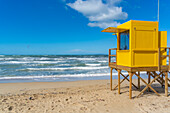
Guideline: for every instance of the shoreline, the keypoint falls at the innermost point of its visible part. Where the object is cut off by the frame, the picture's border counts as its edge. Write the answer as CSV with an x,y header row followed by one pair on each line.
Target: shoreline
x,y
28,79
86,96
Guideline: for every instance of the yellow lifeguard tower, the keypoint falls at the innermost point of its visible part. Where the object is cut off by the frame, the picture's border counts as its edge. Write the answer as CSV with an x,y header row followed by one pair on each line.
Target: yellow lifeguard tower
x,y
140,47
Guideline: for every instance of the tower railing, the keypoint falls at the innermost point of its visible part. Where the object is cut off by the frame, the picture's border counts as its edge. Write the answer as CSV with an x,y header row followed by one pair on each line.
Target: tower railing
x,y
110,55
161,57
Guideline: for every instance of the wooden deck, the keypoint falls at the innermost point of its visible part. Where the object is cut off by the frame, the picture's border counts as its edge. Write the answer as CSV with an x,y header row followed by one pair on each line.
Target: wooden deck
x,y
135,69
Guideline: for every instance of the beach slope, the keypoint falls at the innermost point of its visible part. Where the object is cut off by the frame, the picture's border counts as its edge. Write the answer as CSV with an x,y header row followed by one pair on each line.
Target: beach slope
x,y
90,96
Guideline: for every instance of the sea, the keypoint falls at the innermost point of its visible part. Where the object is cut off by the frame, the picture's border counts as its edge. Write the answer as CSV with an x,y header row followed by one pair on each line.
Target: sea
x,y
52,68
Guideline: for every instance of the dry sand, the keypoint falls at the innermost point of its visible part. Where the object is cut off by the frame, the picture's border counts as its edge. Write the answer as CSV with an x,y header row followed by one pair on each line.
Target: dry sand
x,y
92,96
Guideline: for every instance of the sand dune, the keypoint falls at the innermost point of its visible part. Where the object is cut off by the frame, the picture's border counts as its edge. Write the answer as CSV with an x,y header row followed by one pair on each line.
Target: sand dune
x,y
78,97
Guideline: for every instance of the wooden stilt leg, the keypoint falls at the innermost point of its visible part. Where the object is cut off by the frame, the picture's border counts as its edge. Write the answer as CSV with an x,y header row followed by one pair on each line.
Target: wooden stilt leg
x,y
118,81
155,75
111,78
139,80
130,85
166,83
162,80
149,80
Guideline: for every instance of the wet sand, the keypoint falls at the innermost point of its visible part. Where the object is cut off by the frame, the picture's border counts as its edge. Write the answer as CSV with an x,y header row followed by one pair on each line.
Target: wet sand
x,y
90,96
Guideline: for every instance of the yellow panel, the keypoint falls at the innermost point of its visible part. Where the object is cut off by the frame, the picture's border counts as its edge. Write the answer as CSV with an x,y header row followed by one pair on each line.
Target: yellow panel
x,y
145,23
144,59
163,43
163,38
144,39
121,59
144,44
146,27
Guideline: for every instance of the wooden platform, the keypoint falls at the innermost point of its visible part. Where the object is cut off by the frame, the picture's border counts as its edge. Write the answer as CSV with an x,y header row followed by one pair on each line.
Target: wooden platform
x,y
135,69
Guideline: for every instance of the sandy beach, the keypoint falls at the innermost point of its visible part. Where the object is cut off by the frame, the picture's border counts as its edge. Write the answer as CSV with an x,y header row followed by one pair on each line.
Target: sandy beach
x,y
90,96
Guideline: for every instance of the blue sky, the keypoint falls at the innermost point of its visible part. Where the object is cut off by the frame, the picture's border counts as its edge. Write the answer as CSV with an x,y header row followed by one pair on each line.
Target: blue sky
x,y
70,26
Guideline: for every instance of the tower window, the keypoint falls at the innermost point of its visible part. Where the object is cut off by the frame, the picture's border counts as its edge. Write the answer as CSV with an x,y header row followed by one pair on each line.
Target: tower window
x,y
124,40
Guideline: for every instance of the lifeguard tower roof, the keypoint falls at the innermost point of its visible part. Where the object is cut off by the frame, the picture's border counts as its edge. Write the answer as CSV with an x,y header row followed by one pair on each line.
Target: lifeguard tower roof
x,y
140,47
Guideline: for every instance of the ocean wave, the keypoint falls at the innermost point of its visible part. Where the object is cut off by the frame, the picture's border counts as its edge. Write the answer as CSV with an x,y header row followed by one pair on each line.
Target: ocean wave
x,y
27,66
26,62
55,76
34,59
93,64
2,59
30,59
67,68
59,76
103,61
75,58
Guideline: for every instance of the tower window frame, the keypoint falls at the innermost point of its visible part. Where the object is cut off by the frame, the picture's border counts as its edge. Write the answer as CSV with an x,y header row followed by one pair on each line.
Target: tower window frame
x,y
124,40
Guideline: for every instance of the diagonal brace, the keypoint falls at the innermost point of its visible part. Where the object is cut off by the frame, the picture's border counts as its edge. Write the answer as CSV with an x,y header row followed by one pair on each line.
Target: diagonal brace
x,y
159,80
162,79
155,74
129,81
148,85
125,78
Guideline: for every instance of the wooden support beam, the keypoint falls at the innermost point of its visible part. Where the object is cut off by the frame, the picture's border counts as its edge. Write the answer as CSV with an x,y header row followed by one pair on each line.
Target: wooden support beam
x,y
121,82
125,78
111,69
118,81
109,56
162,80
138,80
149,80
168,79
129,81
118,41
130,85
166,83
157,79
148,85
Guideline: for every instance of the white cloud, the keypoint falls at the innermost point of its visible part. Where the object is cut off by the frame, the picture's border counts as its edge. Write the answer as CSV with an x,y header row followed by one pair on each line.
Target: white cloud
x,y
103,24
100,14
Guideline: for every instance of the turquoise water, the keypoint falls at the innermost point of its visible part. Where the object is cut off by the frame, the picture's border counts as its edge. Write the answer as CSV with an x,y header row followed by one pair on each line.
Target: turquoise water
x,y
52,68
26,68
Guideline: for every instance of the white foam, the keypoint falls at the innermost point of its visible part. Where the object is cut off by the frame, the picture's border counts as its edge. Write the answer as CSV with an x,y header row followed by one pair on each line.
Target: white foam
x,y
47,62
59,76
14,62
54,76
30,59
27,62
75,58
102,61
67,68
2,59
93,64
